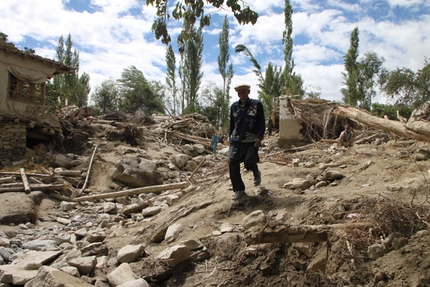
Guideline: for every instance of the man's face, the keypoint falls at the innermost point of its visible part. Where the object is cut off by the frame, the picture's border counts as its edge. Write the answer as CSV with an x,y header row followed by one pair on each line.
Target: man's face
x,y
243,95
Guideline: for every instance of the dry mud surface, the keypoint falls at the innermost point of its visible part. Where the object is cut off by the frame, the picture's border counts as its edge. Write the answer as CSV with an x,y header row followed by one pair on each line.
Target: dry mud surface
x,y
383,186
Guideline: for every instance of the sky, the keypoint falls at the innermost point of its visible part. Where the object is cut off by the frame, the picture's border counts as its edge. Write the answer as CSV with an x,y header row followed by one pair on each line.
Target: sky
x,y
111,35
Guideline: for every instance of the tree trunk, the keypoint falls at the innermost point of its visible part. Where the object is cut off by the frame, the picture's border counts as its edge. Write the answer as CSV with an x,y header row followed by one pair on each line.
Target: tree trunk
x,y
418,130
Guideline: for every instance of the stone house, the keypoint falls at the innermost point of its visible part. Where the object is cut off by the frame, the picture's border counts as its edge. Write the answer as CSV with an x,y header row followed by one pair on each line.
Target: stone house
x,y
23,77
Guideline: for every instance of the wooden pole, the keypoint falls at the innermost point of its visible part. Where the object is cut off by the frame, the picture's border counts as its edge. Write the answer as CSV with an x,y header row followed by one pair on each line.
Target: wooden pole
x,y
128,192
35,187
24,179
88,175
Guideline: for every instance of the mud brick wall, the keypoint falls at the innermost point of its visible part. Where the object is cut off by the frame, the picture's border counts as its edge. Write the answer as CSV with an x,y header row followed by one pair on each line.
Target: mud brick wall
x,y
12,139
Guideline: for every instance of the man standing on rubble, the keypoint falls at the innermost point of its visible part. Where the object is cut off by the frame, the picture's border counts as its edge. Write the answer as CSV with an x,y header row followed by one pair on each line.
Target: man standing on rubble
x,y
247,127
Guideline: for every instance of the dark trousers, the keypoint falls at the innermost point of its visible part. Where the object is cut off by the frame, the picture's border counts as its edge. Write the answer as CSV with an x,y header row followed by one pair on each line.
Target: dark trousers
x,y
246,153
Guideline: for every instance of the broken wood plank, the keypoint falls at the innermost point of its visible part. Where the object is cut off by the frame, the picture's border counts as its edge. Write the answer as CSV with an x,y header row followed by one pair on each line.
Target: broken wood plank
x,y
135,191
10,173
7,179
299,233
24,179
41,187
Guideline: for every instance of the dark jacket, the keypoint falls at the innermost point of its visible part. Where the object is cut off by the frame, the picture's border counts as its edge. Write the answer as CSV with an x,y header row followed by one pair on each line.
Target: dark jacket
x,y
247,122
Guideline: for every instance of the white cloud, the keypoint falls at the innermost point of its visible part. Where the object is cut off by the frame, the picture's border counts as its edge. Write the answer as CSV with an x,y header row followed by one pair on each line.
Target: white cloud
x,y
110,36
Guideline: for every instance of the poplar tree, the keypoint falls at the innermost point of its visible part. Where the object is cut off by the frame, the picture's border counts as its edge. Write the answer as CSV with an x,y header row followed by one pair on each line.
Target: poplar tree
x,y
350,93
190,69
171,79
226,73
72,87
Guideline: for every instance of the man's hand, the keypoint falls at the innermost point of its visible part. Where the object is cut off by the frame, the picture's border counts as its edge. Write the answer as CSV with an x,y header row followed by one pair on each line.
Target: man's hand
x,y
257,142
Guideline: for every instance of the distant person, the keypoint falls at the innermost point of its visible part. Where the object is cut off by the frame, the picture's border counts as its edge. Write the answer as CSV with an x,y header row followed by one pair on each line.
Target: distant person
x,y
247,128
347,136
214,142
269,126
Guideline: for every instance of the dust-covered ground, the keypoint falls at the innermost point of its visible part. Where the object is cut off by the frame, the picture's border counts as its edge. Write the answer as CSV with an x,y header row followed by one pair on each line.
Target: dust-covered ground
x,y
379,199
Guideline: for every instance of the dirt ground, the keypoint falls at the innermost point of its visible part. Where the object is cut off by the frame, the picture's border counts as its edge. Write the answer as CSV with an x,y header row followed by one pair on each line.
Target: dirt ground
x,y
383,186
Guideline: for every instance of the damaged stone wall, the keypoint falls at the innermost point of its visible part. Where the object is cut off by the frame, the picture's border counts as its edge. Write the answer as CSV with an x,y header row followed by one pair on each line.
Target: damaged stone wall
x,y
12,139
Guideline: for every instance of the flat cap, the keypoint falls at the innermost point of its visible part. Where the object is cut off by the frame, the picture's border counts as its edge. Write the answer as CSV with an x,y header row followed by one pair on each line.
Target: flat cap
x,y
242,87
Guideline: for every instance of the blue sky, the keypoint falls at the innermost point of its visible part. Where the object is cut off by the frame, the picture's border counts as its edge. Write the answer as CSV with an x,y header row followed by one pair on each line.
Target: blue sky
x,y
111,35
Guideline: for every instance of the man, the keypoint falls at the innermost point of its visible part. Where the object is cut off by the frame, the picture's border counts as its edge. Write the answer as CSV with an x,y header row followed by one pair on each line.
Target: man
x,y
247,127
214,142
347,136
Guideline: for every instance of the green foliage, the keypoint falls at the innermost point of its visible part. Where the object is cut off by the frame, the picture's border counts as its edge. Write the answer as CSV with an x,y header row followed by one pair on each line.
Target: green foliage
x,y
73,88
190,11
226,71
361,76
406,86
3,36
106,97
52,96
212,99
173,101
382,110
29,50
138,94
190,71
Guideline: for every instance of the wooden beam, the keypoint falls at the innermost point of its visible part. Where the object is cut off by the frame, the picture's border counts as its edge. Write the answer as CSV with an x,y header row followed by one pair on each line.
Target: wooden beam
x,y
135,191
24,179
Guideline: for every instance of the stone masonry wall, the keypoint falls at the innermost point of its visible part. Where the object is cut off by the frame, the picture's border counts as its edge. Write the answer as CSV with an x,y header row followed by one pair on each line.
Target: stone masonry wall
x,y
12,139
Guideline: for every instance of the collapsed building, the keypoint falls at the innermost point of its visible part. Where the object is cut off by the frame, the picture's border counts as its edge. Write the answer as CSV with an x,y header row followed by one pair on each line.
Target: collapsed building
x,y
23,121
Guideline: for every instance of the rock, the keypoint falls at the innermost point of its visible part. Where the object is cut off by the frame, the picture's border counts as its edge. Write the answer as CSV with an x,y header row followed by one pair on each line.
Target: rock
x,y
192,244
298,183
67,206
135,283
375,251
199,148
137,172
51,277
130,253
172,231
134,208
180,160
5,254
174,255
71,270
149,211
16,275
18,207
122,274
331,175
96,248
84,264
96,236
33,260
254,218
40,245
319,261
110,208
226,227
61,160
